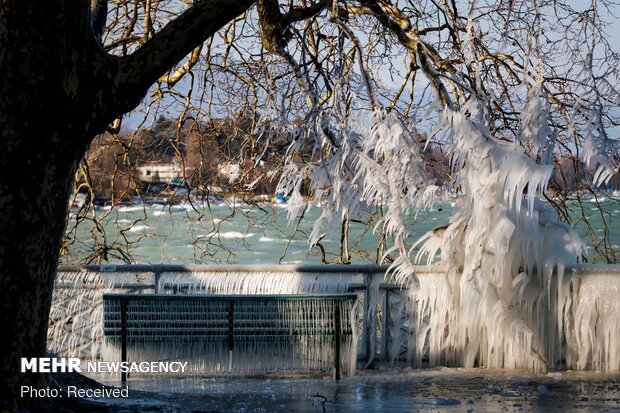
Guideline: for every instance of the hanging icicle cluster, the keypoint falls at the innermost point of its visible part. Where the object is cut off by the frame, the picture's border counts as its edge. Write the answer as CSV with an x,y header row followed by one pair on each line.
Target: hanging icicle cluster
x,y
302,338
506,251
293,334
353,175
75,317
254,283
599,150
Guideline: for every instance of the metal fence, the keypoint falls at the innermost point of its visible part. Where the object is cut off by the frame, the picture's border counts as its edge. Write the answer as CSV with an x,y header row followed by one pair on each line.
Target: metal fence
x,y
379,295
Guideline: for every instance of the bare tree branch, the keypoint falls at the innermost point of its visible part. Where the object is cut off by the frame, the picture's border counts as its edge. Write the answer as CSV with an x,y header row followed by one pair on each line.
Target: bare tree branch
x,y
141,69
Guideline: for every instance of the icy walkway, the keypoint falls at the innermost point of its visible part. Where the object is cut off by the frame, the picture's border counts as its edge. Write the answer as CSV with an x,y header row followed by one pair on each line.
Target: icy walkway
x,y
437,390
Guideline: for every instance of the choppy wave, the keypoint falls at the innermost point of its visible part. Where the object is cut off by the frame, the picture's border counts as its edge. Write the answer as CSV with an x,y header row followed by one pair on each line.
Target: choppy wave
x,y
267,234
132,208
138,228
231,235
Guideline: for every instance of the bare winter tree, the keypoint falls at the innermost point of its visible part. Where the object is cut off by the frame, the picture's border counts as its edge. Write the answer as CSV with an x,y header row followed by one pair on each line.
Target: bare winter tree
x,y
359,87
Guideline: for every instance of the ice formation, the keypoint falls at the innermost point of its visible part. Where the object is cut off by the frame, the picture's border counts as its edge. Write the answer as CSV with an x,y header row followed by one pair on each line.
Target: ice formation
x,y
77,313
362,164
505,299
256,282
75,316
504,249
596,324
423,325
578,330
599,149
296,334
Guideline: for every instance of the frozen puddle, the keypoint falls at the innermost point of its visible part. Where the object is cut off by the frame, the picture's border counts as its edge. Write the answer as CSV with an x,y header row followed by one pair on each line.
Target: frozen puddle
x,y
438,390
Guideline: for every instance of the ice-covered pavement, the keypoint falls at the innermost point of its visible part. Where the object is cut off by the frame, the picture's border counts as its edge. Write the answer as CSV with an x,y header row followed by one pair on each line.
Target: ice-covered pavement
x,y
395,390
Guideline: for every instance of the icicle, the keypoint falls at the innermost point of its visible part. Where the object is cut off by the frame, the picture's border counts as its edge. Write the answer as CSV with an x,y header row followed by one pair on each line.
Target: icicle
x,y
253,283
75,315
505,251
303,329
280,335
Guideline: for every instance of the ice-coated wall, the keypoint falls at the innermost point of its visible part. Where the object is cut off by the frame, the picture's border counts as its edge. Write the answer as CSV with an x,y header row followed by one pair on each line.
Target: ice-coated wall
x,y
576,326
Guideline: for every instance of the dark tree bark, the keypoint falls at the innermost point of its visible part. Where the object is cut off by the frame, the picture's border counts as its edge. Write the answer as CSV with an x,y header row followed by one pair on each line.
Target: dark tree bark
x,y
58,89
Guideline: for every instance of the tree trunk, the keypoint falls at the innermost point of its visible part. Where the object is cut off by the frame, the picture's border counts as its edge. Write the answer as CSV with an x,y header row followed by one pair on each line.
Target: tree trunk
x,y
58,89
49,71
34,189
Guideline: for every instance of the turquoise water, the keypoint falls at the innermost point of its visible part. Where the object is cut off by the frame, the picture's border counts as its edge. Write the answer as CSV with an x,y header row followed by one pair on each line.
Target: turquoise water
x,y
258,233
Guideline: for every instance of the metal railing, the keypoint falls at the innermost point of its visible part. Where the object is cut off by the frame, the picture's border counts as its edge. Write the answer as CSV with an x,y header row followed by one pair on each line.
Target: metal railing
x,y
364,273
375,324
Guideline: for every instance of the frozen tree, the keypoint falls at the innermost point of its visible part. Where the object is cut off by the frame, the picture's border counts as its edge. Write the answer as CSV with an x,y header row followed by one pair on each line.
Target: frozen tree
x,y
360,88
506,103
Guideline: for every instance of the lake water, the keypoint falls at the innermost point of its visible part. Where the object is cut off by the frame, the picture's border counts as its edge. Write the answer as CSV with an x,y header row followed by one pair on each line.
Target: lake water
x,y
260,233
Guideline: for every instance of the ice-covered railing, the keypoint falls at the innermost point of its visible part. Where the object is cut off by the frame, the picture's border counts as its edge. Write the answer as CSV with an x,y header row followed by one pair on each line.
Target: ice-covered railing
x,y
400,325
78,333
236,334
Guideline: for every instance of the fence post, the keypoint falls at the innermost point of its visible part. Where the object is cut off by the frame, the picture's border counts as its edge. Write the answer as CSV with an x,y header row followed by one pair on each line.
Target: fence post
x,y
231,342
365,324
385,310
123,339
156,277
337,330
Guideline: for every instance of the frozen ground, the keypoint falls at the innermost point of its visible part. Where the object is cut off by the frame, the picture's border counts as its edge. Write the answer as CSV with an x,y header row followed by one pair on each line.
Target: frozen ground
x,y
437,390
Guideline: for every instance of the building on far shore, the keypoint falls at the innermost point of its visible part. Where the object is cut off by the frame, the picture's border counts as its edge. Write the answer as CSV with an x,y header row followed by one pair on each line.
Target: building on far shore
x,y
163,173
